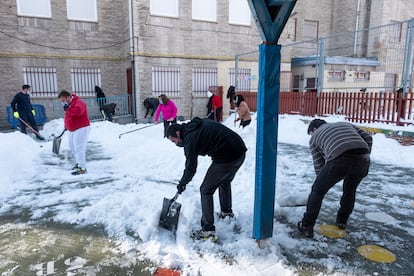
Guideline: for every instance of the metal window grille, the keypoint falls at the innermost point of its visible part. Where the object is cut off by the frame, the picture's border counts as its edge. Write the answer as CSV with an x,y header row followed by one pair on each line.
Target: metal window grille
x,y
43,80
84,80
203,77
336,75
244,78
166,80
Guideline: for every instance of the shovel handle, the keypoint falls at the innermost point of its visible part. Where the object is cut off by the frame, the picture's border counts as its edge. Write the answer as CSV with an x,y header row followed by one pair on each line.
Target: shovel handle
x,y
175,197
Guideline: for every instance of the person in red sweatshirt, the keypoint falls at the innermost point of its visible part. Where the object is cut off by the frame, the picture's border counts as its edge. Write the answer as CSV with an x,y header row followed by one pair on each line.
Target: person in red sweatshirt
x,y
77,123
214,107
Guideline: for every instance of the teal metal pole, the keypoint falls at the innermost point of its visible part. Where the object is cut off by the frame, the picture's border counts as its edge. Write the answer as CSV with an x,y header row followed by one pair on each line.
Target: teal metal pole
x,y
266,140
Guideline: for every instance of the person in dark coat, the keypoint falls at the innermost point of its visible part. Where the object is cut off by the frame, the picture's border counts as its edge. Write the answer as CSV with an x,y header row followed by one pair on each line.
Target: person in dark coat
x,y
23,110
340,151
150,103
100,96
227,151
108,111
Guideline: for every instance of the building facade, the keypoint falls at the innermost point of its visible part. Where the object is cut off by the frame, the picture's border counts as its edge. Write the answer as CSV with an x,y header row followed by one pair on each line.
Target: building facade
x,y
180,48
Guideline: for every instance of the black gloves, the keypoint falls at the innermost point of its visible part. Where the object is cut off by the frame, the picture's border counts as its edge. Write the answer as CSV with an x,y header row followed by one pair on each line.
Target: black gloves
x,y
65,107
180,188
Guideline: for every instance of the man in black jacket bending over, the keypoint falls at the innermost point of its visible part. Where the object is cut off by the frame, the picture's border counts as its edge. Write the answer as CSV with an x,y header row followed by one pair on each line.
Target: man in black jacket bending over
x,y
340,151
227,150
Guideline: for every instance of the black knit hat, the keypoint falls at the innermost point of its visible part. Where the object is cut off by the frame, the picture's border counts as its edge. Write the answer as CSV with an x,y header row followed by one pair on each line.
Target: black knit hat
x,y
316,123
25,86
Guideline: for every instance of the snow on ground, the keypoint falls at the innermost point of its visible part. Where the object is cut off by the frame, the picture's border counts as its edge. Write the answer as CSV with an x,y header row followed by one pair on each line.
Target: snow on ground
x,y
128,178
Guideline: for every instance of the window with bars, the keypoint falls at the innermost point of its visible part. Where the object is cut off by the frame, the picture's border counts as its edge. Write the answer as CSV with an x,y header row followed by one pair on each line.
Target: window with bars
x,y
243,80
336,75
84,80
166,80
361,75
203,77
43,80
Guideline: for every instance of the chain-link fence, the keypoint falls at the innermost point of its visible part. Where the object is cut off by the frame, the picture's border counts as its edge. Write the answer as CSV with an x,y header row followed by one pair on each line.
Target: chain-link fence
x,y
378,59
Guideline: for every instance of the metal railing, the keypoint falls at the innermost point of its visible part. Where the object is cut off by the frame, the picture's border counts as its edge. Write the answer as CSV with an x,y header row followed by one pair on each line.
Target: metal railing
x,y
359,107
123,106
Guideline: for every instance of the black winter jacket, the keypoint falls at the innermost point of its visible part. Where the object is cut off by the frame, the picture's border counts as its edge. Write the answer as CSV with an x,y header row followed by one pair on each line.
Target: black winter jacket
x,y
21,103
207,137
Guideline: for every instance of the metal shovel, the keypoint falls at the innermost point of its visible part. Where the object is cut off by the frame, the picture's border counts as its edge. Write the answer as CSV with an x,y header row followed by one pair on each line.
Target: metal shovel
x,y
170,213
56,143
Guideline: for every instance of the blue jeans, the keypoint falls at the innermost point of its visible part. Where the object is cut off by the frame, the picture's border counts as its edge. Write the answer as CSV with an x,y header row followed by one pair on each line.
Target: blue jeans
x,y
349,167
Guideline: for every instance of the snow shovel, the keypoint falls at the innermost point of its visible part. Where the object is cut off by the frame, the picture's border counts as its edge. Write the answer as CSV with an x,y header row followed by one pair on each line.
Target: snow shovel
x,y
56,143
170,213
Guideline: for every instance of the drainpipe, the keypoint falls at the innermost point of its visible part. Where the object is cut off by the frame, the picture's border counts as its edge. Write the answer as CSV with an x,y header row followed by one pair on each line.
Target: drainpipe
x,y
358,14
132,50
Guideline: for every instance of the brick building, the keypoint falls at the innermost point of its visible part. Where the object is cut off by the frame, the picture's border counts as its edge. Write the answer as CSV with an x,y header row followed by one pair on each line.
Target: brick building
x,y
148,47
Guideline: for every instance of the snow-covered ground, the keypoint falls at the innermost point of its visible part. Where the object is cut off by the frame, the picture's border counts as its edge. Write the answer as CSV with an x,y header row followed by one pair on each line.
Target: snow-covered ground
x,y
128,178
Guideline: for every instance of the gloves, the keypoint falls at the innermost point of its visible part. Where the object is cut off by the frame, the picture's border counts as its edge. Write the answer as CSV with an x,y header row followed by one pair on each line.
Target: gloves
x,y
65,107
16,115
33,112
180,188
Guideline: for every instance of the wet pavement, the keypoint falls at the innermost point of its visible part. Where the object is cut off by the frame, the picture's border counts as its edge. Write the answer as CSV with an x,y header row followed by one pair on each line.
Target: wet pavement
x,y
387,192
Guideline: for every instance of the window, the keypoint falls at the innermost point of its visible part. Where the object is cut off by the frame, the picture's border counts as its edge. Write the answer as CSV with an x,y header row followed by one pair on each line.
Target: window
x,y
164,7
84,80
310,29
395,32
166,80
291,29
296,83
82,10
239,12
336,75
361,75
42,80
38,8
204,10
203,77
244,79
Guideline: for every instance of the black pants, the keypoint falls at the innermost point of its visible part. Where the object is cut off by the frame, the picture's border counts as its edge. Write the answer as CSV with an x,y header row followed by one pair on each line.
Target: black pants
x,y
28,117
349,167
167,124
219,175
216,114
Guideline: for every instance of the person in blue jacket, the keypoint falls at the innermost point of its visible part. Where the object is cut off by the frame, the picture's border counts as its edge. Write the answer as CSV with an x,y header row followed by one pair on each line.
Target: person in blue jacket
x,y
23,110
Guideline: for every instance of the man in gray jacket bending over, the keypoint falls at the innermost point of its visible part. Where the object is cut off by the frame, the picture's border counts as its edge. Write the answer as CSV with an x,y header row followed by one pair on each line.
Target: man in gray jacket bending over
x,y
340,151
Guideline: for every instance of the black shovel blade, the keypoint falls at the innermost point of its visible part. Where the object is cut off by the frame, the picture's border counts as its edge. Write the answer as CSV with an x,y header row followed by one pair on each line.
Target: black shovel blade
x,y
169,214
56,145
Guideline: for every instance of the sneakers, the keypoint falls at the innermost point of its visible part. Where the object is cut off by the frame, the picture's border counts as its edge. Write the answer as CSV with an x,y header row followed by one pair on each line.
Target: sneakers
x,y
203,235
223,215
79,171
307,231
41,138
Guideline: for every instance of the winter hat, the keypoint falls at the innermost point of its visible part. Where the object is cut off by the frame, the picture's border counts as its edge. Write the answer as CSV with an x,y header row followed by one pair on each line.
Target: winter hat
x,y
316,123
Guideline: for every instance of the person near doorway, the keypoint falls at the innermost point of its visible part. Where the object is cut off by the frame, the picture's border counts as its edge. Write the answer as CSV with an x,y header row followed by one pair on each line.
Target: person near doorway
x,y
214,107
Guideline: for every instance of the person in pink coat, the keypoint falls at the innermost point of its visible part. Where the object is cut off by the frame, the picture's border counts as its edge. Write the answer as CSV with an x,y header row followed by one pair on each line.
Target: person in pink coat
x,y
169,112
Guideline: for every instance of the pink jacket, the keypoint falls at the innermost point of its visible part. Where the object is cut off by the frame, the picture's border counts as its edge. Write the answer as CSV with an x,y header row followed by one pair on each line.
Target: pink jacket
x,y
169,111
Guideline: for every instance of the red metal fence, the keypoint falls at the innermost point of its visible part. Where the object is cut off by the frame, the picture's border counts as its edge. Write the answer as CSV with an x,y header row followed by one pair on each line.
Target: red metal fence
x,y
357,107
